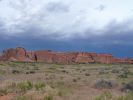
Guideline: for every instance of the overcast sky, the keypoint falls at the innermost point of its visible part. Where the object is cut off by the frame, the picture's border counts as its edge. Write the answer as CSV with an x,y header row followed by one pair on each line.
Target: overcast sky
x,y
68,25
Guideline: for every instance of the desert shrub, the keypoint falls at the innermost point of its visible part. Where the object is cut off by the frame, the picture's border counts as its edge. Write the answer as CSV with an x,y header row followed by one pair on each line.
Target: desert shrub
x,y
80,71
60,93
15,71
64,71
104,84
21,98
3,92
13,64
108,96
128,96
39,85
128,87
75,80
23,86
123,75
35,68
77,69
115,71
78,78
48,97
30,72
12,87
87,74
103,71
130,73
60,83
2,71
105,96
125,70
83,70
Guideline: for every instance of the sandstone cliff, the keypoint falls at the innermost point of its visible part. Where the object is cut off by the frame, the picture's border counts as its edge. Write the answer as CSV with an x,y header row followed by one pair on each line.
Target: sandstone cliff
x,y
21,55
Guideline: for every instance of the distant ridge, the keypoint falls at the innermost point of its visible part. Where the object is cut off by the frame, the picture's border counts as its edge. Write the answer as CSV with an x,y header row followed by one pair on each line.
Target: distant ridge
x,y
22,55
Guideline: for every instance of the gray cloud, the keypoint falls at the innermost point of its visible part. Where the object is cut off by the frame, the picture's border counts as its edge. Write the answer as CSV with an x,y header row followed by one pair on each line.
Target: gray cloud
x,y
57,7
101,7
49,19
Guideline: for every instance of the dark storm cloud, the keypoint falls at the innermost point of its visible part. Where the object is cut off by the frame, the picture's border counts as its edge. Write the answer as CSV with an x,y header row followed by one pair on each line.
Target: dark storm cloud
x,y
118,45
114,33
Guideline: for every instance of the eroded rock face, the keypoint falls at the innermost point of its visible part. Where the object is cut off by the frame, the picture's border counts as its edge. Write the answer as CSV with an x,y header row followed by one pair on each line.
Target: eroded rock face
x,y
31,56
55,57
0,56
65,58
43,56
123,60
104,58
85,58
20,54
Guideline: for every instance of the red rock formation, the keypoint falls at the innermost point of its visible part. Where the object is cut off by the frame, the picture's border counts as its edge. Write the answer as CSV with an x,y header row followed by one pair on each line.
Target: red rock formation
x,y
55,57
43,56
64,58
84,58
123,60
20,54
104,58
0,56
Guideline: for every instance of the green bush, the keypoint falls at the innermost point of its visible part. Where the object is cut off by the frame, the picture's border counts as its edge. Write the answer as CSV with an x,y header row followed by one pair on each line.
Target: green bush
x,y
123,75
48,97
3,92
39,85
109,96
24,86
105,96
128,96
21,98
128,87
60,93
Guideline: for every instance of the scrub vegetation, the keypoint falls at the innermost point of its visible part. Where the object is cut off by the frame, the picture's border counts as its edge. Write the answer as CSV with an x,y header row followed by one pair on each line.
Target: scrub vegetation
x,y
42,81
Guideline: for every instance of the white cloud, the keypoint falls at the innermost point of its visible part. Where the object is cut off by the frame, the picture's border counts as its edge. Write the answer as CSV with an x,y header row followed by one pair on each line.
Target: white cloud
x,y
67,18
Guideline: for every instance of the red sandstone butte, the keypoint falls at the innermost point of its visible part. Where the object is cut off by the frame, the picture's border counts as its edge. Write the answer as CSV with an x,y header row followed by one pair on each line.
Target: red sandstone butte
x,y
85,58
21,55
18,54
105,58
